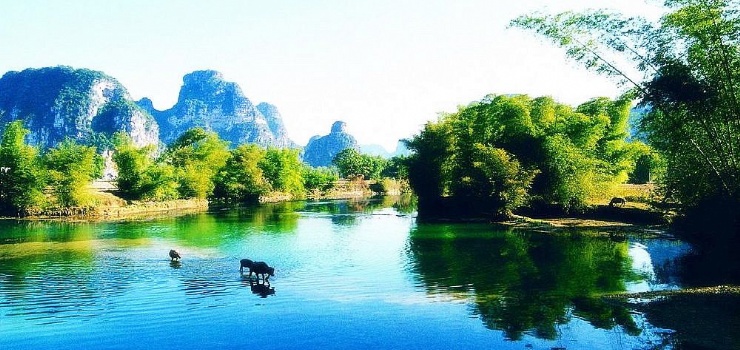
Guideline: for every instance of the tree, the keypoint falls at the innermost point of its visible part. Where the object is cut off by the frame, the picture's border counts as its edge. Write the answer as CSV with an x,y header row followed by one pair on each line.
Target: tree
x,y
351,163
139,176
319,178
71,169
429,163
22,177
197,156
686,68
241,179
131,163
283,170
505,151
396,168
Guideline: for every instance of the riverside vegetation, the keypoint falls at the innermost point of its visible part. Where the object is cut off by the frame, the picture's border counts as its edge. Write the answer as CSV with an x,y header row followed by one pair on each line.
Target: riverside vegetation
x,y
194,169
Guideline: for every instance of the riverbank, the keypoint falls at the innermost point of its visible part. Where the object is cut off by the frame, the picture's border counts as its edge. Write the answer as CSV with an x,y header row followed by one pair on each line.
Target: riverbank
x,y
109,207
635,214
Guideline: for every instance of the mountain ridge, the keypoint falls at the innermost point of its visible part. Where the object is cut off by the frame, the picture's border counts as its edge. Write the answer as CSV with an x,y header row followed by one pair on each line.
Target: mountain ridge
x,y
90,106
63,102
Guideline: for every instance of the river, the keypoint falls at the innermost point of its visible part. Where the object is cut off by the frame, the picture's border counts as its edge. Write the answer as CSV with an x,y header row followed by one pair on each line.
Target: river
x,y
348,274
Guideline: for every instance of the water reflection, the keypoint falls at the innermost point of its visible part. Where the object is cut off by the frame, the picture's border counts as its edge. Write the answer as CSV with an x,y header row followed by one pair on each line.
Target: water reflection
x,y
375,263
525,283
269,217
202,287
261,288
66,281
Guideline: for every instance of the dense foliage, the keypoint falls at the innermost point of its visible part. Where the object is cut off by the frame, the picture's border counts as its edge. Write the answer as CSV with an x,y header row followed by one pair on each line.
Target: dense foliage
x,y
241,179
22,177
200,165
284,169
687,70
351,163
506,151
71,168
197,165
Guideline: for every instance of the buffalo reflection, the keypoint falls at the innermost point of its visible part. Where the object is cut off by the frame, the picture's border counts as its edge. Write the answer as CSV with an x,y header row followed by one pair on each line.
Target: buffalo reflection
x,y
263,288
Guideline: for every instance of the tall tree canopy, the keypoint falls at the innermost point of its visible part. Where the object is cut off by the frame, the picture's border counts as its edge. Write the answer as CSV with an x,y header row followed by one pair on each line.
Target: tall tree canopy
x,y
241,179
504,151
197,156
351,163
686,68
22,177
71,168
284,171
139,176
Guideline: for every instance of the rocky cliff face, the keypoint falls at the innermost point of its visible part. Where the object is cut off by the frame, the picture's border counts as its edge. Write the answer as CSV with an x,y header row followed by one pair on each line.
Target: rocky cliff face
x,y
321,150
82,104
209,102
275,123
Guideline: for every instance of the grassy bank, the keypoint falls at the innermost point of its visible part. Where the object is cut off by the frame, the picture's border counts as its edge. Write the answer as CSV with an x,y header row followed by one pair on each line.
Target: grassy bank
x,y
107,205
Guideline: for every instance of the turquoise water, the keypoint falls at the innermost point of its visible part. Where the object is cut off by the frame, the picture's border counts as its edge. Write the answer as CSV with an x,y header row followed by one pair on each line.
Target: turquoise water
x,y
355,275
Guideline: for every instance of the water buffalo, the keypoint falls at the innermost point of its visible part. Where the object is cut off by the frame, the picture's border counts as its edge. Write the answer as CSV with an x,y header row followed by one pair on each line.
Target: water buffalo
x,y
246,263
174,255
261,268
617,202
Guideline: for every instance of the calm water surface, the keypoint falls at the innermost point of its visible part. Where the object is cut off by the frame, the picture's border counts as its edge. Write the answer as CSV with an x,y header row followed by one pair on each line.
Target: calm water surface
x,y
348,275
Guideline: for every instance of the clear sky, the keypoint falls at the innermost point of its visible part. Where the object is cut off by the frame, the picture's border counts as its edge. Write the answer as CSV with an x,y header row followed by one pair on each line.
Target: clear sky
x,y
385,67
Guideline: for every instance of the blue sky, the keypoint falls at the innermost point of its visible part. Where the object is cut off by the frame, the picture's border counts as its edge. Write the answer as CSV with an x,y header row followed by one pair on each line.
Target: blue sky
x,y
384,66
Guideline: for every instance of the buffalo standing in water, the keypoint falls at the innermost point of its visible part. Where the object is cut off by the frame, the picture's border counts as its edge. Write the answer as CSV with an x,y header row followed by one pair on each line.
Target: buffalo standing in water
x,y
174,255
258,267
246,263
261,268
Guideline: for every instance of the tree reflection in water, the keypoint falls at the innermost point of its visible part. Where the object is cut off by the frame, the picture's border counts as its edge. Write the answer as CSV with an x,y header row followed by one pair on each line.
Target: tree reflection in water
x,y
525,282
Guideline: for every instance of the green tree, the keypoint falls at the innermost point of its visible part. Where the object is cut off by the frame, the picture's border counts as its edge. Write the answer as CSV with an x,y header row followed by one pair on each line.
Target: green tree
x,y
351,162
139,176
22,177
197,156
429,164
71,169
131,163
241,179
686,68
284,170
504,151
320,178
396,168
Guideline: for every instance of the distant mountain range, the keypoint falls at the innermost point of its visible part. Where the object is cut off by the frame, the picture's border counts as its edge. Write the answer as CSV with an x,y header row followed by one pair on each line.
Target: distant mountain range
x,y
89,106
209,102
